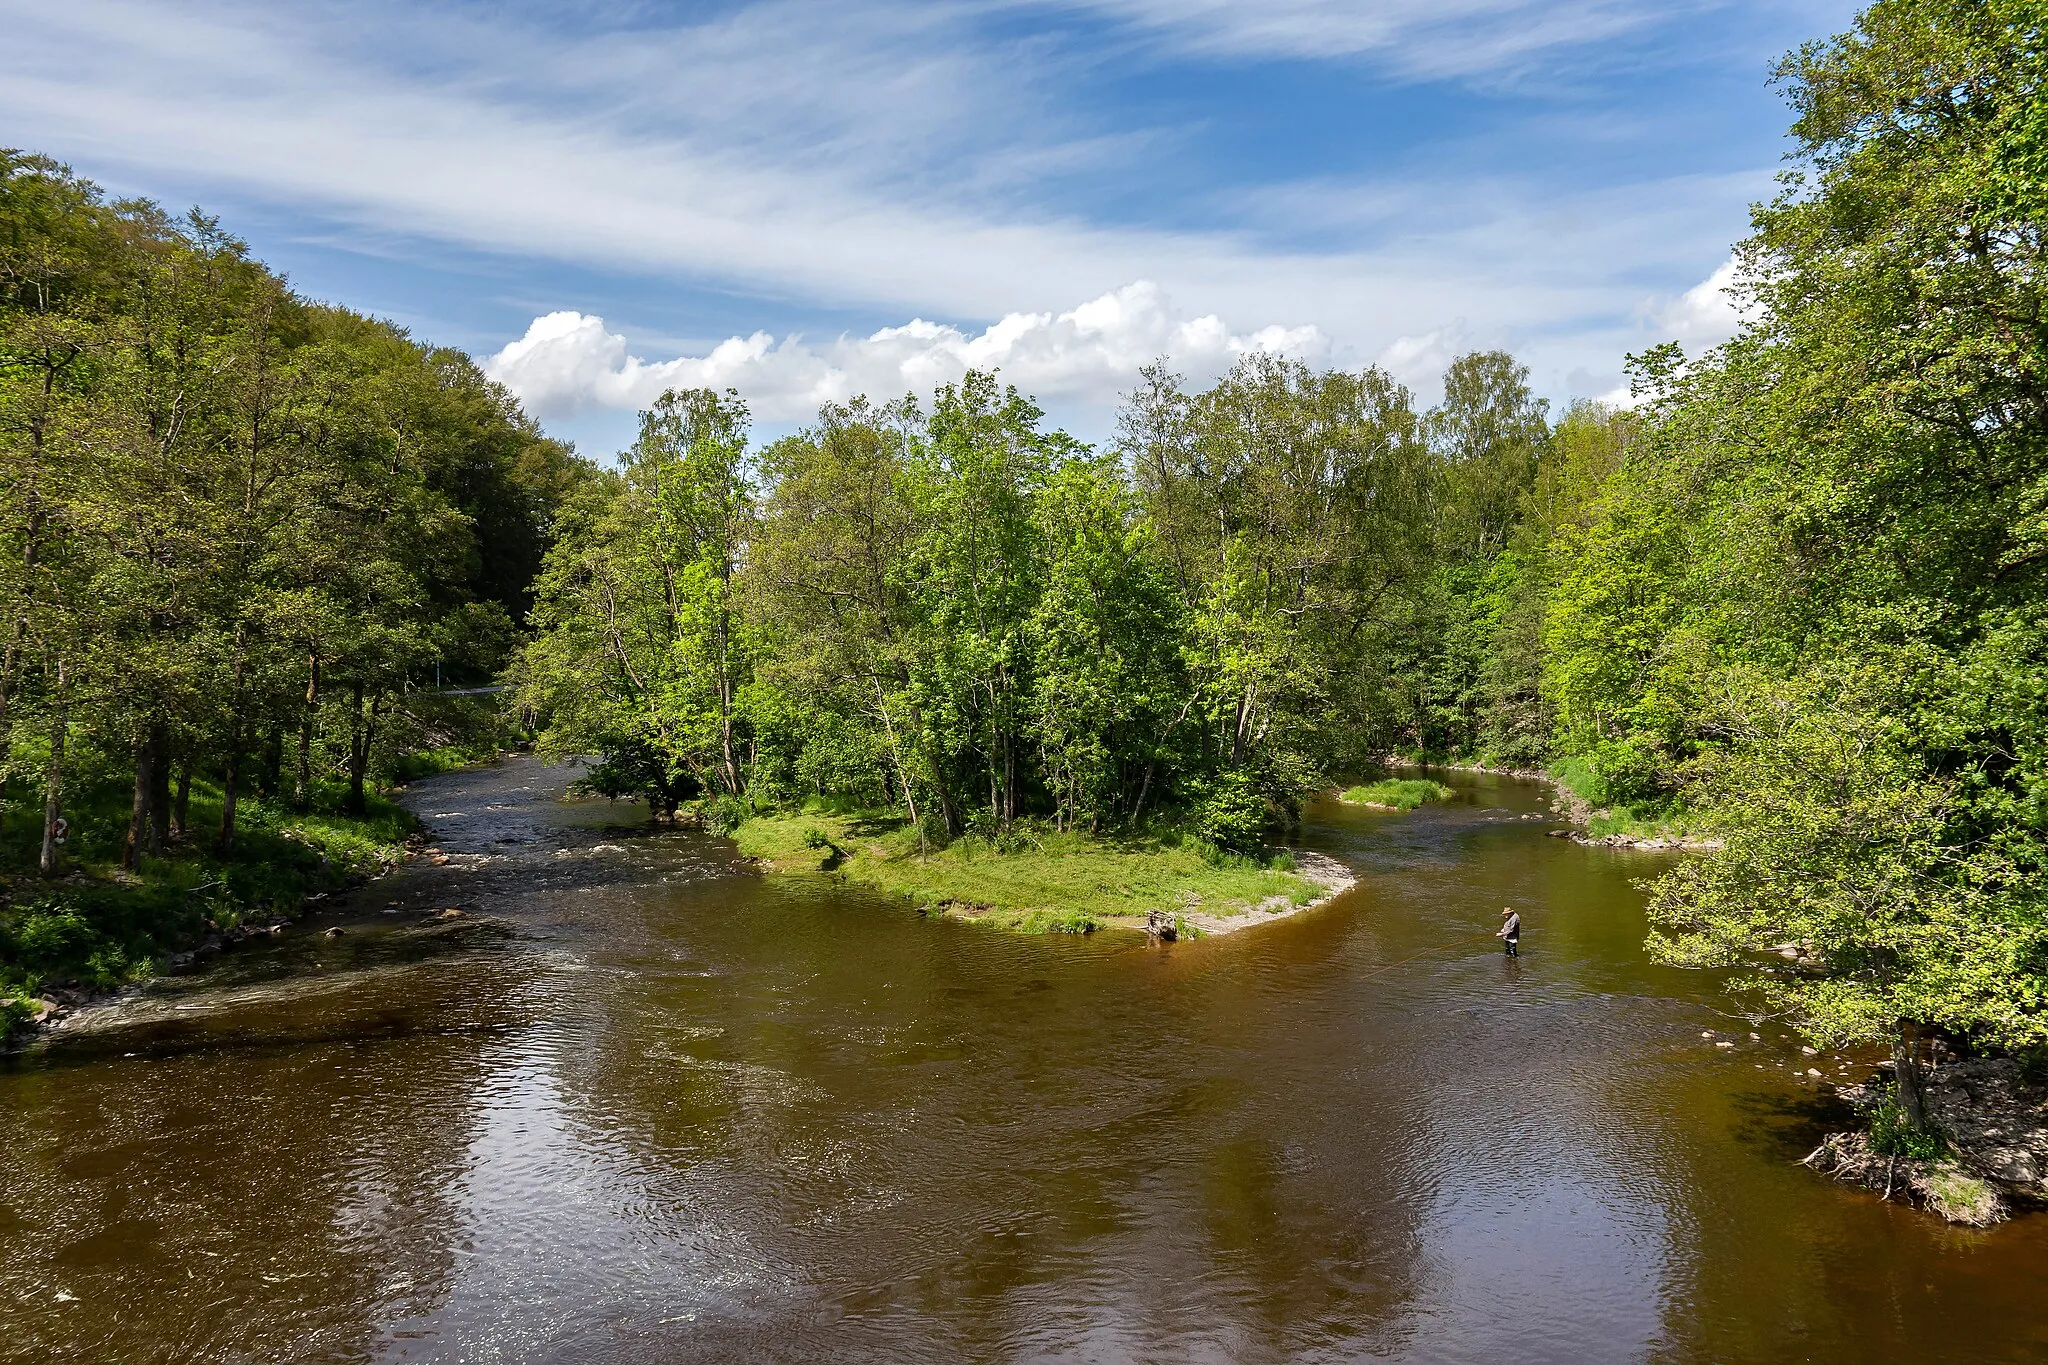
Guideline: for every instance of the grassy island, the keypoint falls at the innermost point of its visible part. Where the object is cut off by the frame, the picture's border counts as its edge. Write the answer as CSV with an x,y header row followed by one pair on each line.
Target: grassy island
x,y
1398,793
1038,880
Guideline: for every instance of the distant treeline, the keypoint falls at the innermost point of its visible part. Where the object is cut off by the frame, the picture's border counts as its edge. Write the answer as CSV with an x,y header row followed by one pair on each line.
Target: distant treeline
x,y
974,619
236,526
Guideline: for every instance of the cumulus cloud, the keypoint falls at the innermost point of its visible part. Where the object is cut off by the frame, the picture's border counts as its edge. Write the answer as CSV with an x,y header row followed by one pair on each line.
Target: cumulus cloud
x,y
1703,316
1419,360
570,362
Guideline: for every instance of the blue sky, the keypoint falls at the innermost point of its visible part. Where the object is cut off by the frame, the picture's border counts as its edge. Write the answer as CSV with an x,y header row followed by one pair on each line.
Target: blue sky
x,y
806,199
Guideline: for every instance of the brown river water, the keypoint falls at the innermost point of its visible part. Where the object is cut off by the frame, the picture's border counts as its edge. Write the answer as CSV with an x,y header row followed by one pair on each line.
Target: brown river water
x,y
637,1104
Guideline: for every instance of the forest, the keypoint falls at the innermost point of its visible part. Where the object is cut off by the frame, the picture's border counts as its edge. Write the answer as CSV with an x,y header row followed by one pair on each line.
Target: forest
x,y
1792,596
245,535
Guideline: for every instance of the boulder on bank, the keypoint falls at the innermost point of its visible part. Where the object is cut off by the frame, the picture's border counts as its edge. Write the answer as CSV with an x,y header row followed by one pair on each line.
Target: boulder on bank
x,y
1995,1121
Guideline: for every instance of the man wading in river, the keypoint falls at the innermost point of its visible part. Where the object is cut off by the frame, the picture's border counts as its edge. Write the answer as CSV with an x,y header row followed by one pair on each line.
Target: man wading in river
x,y
1511,932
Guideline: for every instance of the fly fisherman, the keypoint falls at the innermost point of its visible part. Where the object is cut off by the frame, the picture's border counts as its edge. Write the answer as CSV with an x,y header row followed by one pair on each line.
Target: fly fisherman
x,y
1510,932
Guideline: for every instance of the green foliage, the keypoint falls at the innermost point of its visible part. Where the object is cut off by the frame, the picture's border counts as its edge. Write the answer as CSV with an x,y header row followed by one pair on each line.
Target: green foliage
x,y
47,934
725,813
1400,793
1230,813
1815,601
16,1008
244,541
101,930
1892,1135
1614,773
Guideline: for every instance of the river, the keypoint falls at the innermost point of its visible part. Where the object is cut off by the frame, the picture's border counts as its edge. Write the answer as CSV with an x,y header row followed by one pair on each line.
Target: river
x,y
636,1104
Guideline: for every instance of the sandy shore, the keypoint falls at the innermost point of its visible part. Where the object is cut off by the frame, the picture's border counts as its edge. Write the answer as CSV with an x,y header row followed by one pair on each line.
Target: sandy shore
x,y
1323,870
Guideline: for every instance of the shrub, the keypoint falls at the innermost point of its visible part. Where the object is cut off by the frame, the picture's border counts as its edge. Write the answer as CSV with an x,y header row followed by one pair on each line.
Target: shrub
x,y
1891,1135
724,814
14,1009
1231,813
52,936
1615,773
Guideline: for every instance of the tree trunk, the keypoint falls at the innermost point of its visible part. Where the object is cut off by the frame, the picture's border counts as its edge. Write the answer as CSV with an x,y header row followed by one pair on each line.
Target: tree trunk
x,y
273,763
1911,1082
231,773
230,793
302,789
1145,786
53,778
160,790
141,810
1009,780
10,661
181,807
358,752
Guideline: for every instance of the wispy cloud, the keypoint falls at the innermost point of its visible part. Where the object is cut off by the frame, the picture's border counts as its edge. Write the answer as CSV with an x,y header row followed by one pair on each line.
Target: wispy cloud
x,y
1416,37
899,158
568,362
1482,40
473,155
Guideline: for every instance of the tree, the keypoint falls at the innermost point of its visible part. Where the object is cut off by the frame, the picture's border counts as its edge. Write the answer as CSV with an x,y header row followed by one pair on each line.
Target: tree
x,y
1289,506
644,654
1848,560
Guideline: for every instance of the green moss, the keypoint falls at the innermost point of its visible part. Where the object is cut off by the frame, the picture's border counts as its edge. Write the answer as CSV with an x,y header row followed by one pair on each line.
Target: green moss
x,y
1397,793
1038,881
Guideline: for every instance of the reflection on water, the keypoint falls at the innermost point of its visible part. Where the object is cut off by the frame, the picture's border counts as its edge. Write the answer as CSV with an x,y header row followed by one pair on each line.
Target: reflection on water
x,y
635,1104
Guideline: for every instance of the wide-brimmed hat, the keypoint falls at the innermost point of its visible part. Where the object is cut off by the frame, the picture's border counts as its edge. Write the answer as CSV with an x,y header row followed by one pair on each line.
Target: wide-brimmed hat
x,y
1507,909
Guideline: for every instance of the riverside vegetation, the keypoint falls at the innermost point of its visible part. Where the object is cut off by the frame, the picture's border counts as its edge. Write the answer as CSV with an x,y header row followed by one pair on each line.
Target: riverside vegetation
x,y
242,531
1793,595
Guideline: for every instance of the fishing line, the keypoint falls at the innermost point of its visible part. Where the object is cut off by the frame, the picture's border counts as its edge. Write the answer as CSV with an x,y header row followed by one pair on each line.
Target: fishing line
x,y
1483,933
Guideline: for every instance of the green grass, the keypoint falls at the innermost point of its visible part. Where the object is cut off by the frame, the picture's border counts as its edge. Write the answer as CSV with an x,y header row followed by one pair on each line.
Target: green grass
x,y
99,926
1039,882
1397,793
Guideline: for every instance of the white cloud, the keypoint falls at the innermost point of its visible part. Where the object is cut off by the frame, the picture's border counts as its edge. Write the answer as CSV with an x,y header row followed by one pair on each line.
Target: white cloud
x,y
1703,316
568,361
1419,361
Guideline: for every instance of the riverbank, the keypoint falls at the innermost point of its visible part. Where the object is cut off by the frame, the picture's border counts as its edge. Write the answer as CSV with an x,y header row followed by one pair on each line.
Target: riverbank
x,y
98,929
1049,882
